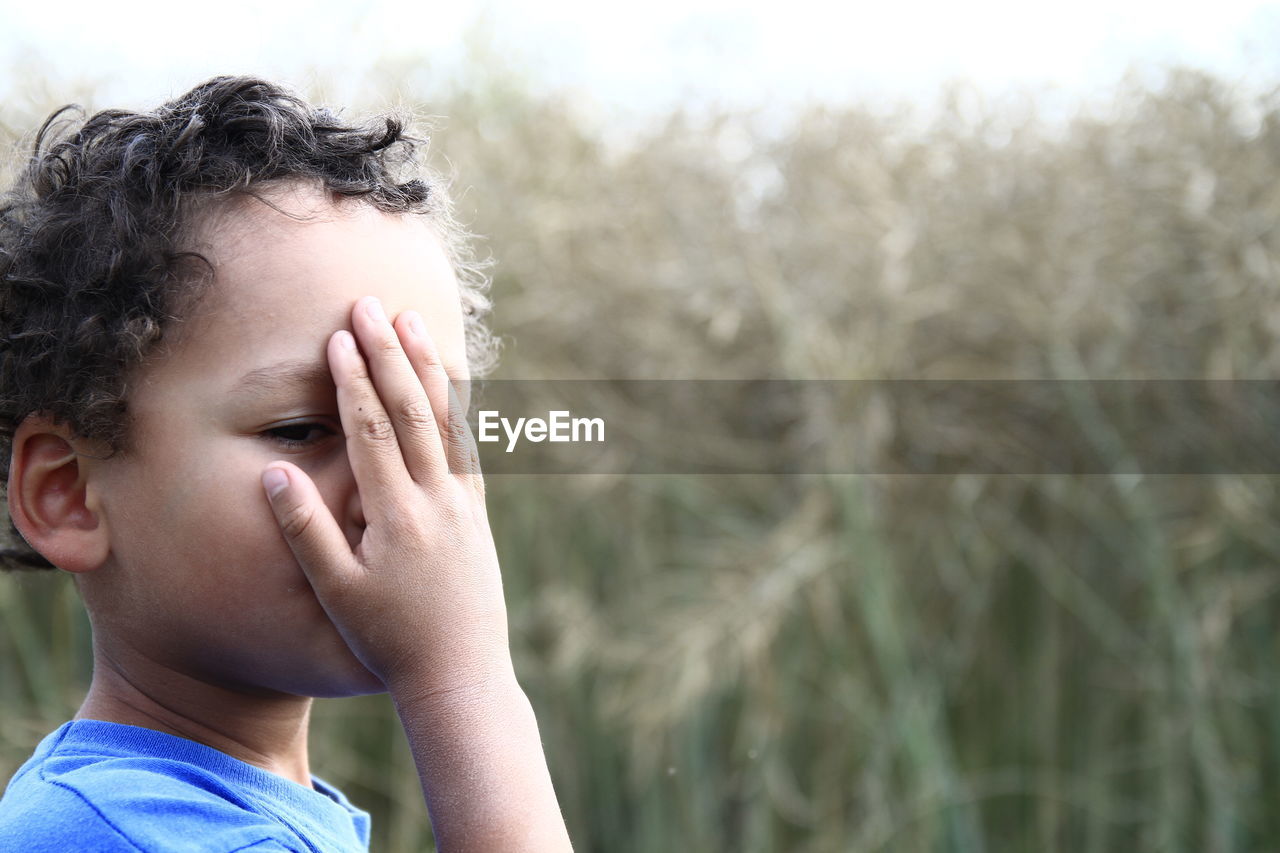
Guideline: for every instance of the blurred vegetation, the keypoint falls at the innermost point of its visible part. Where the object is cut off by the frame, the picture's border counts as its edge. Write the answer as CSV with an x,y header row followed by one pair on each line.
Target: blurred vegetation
x,y
845,663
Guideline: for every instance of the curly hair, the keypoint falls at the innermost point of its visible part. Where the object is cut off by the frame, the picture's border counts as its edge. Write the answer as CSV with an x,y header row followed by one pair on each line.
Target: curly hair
x,y
92,266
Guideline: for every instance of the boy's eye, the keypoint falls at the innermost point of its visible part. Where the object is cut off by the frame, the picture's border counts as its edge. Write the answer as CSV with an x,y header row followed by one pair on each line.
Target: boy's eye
x,y
299,434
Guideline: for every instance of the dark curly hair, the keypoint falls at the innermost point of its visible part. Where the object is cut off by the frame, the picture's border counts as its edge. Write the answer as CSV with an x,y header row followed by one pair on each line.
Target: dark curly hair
x,y
92,266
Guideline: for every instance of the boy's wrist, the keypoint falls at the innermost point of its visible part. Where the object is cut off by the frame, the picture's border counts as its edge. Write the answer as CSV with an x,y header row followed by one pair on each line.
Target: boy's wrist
x,y
478,686
476,743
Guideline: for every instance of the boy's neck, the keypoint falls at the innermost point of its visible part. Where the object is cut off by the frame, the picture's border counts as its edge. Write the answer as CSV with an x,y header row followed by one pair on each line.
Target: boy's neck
x,y
267,731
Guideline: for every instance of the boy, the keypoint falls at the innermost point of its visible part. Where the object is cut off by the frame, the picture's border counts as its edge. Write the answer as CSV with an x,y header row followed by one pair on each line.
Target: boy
x,y
226,409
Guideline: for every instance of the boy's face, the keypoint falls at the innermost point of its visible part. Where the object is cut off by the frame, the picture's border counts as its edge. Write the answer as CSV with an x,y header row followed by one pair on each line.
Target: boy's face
x,y
199,577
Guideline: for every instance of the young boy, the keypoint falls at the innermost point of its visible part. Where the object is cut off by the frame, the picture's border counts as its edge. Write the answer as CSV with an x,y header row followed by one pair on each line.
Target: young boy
x,y
226,407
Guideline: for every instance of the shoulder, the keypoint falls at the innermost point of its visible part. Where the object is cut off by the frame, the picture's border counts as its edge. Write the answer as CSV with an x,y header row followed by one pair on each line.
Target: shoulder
x,y
128,805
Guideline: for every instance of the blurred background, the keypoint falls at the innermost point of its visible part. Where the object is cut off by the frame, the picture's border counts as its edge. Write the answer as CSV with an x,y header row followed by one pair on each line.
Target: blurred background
x,y
712,190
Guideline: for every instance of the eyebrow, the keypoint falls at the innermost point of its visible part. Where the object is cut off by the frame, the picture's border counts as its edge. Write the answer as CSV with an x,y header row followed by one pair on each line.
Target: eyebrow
x,y
283,377
292,375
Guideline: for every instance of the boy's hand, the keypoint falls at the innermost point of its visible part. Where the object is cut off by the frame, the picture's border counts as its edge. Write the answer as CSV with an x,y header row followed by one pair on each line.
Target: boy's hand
x,y
419,600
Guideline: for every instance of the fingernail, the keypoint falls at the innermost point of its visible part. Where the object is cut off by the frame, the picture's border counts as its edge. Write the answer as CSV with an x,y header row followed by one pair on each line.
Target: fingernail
x,y
345,340
374,308
416,325
274,480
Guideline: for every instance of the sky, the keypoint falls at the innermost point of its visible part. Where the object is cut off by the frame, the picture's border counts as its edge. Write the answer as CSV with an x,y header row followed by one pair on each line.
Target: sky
x,y
629,57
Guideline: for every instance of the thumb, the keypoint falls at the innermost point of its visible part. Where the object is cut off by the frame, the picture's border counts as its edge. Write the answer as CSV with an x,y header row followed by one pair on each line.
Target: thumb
x,y
307,525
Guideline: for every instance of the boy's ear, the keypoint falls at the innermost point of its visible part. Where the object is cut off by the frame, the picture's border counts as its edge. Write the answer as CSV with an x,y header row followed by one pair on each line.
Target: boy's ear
x,y
49,498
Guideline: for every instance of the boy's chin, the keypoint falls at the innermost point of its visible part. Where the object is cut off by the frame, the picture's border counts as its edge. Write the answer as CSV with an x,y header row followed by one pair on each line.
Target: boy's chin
x,y
322,679
351,690
356,681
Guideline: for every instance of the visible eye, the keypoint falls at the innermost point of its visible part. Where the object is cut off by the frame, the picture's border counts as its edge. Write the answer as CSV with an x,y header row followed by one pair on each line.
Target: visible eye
x,y
300,434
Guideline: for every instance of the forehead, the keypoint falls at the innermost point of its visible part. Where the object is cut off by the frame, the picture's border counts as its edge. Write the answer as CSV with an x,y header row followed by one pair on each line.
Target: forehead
x,y
288,269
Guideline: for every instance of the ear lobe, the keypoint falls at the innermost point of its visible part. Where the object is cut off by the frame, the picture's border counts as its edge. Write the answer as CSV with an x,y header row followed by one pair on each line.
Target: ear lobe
x,y
49,499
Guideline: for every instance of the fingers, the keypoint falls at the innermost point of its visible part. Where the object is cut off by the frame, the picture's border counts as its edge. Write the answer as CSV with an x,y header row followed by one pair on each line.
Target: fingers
x,y
429,370
397,383
372,445
460,444
313,534
455,438
399,409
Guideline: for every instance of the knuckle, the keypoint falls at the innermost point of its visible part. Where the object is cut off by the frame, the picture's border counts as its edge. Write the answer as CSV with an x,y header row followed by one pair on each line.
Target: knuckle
x,y
458,445
456,427
416,413
388,345
376,428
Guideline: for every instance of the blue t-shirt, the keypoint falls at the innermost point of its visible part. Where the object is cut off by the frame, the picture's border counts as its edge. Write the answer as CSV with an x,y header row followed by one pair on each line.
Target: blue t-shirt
x,y
98,787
